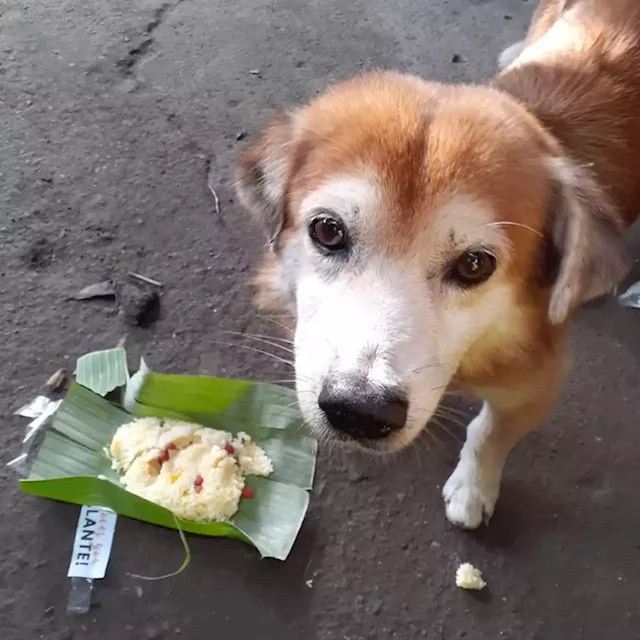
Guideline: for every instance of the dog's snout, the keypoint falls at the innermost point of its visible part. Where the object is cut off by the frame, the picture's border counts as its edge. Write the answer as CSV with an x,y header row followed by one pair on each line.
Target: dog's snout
x,y
364,414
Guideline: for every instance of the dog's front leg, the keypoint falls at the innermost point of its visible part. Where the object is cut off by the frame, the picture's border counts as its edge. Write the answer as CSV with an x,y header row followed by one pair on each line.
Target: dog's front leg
x,y
507,416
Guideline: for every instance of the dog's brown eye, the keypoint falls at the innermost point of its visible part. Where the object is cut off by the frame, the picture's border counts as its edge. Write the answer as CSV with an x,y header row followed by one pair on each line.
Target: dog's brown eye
x,y
473,267
328,232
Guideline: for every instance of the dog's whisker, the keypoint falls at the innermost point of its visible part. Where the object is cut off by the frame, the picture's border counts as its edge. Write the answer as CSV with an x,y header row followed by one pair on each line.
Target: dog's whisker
x,y
417,449
433,365
423,415
426,441
454,393
454,419
433,439
460,422
299,378
255,350
446,429
270,343
451,427
269,337
278,324
300,427
275,341
508,223
325,439
455,411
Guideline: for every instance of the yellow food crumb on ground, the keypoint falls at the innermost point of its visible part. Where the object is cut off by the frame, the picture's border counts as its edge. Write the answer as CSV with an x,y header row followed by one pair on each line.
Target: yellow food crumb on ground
x,y
468,577
185,467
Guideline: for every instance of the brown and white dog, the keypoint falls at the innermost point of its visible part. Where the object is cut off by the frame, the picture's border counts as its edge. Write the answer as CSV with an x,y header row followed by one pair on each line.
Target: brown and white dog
x,y
425,235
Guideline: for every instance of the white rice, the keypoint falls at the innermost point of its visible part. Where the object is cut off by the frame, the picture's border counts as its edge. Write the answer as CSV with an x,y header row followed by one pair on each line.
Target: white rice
x,y
199,458
468,577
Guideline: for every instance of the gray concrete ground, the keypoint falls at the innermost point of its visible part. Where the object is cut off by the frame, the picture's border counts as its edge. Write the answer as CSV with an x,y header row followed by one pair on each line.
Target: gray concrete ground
x,y
113,114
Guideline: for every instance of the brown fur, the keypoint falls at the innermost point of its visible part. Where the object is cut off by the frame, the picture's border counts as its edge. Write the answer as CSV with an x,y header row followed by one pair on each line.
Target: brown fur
x,y
587,96
555,147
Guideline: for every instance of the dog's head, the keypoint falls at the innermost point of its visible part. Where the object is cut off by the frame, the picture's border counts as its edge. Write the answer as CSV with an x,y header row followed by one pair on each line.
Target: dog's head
x,y
419,234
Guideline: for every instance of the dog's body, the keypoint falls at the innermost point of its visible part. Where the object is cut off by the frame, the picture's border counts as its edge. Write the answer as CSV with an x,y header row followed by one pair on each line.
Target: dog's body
x,y
425,236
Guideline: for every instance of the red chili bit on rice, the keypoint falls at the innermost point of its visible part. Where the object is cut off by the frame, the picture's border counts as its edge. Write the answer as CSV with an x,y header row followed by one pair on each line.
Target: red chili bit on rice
x,y
248,492
229,449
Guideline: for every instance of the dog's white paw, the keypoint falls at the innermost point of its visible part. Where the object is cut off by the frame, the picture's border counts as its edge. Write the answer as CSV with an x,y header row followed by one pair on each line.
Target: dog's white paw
x,y
510,54
470,495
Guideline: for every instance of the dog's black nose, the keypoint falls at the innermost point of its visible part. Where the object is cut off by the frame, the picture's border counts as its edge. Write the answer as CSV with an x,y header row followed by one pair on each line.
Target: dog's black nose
x,y
364,414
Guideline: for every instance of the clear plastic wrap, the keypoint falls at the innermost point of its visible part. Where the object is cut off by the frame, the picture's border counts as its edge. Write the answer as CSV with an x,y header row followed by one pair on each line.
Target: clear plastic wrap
x,y
40,411
631,297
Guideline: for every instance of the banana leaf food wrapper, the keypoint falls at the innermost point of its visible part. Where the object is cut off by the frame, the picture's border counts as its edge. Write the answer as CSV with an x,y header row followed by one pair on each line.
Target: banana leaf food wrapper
x,y
66,458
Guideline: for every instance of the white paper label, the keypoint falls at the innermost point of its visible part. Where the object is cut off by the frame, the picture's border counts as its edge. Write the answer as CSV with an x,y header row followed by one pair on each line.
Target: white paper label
x,y
92,545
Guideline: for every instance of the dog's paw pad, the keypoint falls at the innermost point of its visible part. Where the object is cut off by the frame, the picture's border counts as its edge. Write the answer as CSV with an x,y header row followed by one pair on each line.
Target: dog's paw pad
x,y
467,503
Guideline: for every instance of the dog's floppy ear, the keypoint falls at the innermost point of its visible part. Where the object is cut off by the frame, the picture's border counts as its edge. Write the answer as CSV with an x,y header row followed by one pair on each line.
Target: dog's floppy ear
x,y
586,235
261,175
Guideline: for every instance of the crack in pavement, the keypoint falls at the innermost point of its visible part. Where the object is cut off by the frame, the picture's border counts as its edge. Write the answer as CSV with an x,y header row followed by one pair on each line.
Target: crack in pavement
x,y
127,65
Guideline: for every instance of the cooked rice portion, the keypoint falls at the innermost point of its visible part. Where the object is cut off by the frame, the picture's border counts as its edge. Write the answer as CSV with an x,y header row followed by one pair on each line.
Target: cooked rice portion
x,y
195,472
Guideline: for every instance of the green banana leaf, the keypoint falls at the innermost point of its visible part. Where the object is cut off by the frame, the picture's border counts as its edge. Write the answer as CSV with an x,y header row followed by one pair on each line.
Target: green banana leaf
x,y
103,371
72,465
